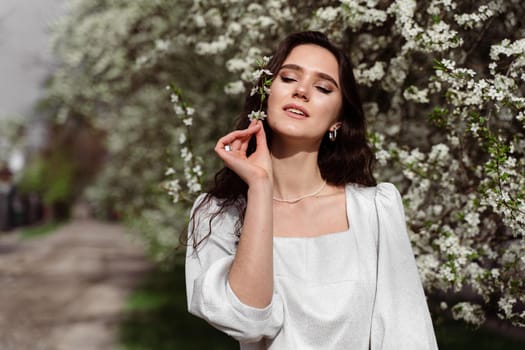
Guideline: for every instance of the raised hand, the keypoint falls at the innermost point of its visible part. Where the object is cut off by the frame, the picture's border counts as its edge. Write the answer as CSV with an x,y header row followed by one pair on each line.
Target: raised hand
x,y
232,150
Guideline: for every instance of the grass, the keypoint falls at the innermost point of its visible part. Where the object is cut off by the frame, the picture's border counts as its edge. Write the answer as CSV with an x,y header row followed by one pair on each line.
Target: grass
x,y
40,230
453,335
157,319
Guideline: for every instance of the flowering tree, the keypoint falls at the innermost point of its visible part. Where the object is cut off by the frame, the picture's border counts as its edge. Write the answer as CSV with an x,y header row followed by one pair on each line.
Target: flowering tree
x,y
442,82
115,66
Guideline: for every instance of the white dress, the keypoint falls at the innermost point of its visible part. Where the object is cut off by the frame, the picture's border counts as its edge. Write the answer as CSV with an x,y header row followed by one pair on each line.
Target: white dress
x,y
352,290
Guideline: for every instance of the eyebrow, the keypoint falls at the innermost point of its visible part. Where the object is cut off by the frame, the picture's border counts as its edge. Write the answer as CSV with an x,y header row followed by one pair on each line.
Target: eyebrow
x,y
319,74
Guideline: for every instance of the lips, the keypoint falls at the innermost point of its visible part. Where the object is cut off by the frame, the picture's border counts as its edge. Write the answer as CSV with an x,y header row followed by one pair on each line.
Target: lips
x,y
295,111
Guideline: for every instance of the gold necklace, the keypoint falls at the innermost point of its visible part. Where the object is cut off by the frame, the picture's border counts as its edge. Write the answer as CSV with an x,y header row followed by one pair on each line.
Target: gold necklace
x,y
295,200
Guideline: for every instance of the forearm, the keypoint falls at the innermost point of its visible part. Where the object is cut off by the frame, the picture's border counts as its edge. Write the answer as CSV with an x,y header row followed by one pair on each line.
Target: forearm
x,y
251,274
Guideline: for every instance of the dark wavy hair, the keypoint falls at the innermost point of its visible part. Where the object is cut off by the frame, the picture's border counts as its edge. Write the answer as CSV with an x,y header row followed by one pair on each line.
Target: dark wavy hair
x,y
348,159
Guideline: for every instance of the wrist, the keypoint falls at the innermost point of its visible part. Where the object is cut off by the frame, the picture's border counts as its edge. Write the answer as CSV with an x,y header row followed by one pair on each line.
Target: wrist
x,y
262,186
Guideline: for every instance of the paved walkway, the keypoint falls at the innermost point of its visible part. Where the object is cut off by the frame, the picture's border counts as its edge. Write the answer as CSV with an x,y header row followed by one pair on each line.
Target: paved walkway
x,y
67,290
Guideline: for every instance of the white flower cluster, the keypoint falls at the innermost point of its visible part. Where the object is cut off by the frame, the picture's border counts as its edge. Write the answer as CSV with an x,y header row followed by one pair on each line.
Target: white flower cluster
x,y
404,11
464,90
396,74
328,14
234,88
368,75
192,166
172,187
516,49
220,45
436,6
469,312
246,26
412,93
257,115
359,13
502,177
477,19
439,37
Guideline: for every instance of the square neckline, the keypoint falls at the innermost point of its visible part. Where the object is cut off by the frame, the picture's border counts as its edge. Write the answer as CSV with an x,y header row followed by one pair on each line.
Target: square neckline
x,y
329,234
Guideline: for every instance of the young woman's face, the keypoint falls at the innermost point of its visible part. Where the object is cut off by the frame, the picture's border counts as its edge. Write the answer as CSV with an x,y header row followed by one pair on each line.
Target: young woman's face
x,y
305,98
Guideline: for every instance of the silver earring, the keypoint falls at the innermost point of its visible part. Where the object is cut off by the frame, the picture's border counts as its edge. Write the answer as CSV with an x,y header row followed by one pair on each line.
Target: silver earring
x,y
332,135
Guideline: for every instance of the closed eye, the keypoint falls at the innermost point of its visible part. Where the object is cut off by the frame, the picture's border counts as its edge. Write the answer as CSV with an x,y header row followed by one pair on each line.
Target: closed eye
x,y
323,90
286,79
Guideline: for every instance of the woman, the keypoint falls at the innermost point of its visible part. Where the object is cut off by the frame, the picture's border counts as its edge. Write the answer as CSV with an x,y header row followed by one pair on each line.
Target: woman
x,y
296,247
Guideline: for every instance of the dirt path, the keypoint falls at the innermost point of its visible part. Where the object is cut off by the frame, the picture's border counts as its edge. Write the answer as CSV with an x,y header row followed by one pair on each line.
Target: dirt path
x,y
67,290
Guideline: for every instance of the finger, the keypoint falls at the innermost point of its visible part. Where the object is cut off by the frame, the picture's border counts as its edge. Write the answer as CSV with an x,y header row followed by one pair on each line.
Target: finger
x,y
224,148
224,154
260,137
231,159
244,146
241,134
236,145
253,124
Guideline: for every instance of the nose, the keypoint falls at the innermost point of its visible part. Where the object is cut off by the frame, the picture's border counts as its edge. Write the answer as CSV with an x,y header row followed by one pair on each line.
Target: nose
x,y
301,92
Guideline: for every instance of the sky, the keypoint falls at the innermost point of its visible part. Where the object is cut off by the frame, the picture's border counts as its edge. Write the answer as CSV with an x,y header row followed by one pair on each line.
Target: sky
x,y
25,52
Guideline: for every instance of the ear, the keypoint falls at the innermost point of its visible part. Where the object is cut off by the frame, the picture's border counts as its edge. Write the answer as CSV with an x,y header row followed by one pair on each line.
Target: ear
x,y
335,126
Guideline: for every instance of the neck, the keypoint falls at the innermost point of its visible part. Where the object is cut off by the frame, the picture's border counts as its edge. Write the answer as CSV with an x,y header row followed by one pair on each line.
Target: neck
x,y
295,172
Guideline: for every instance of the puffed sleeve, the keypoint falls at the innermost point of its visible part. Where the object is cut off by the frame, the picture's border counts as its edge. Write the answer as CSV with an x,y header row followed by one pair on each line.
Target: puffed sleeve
x,y
208,291
401,319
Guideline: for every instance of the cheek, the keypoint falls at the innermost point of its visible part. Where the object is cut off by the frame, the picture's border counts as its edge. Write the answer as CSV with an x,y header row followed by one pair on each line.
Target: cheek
x,y
331,108
277,89
270,102
276,94
337,111
337,107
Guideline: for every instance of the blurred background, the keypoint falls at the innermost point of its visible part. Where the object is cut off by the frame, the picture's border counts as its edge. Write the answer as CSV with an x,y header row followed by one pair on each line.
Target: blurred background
x,y
109,111
26,62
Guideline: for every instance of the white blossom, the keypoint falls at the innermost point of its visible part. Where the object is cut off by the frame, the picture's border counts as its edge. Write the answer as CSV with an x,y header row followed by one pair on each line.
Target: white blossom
x,y
414,94
162,45
257,115
234,88
328,13
182,138
367,76
469,312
